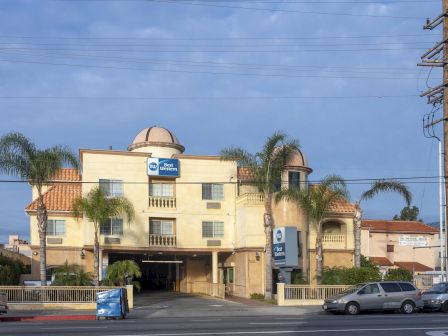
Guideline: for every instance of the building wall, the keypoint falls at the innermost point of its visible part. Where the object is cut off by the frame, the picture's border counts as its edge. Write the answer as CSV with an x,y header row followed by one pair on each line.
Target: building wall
x,y
375,245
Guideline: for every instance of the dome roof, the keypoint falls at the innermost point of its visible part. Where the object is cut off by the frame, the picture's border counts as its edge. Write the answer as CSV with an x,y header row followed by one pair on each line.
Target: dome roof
x,y
297,159
156,136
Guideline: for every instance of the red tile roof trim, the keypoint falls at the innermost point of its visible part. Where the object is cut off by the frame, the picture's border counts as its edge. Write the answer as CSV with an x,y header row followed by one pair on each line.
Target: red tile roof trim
x,y
413,266
398,226
381,261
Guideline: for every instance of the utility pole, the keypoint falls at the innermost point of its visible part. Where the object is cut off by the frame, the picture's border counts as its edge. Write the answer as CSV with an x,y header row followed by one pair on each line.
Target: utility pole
x,y
438,57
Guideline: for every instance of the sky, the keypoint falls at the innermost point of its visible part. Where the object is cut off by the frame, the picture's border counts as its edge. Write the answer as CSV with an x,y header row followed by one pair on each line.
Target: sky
x,y
339,76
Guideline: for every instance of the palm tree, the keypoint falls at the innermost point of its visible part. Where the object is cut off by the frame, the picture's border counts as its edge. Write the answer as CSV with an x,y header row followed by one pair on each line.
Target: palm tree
x,y
98,208
20,157
71,275
316,201
376,188
119,272
265,168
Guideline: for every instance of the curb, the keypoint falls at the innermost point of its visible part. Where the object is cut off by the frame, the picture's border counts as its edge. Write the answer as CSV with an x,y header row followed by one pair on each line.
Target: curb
x,y
47,318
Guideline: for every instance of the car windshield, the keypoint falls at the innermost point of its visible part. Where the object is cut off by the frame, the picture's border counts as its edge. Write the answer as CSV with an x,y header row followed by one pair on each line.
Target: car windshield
x,y
352,289
437,289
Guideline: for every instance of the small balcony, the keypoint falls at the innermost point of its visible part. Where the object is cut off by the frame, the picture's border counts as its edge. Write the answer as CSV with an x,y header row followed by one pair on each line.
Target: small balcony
x,y
250,199
333,241
156,240
162,202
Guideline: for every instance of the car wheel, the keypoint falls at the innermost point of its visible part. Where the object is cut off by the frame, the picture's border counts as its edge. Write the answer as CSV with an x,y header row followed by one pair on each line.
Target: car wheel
x,y
407,307
352,308
445,307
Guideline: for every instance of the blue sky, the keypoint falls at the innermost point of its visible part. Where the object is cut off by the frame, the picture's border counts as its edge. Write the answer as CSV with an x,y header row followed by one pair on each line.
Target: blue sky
x,y
123,51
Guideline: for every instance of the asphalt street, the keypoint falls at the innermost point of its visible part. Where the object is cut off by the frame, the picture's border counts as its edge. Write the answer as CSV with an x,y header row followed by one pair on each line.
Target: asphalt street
x,y
432,324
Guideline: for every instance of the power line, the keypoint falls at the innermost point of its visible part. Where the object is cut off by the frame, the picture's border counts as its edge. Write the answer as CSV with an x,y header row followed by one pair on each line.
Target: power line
x,y
291,11
219,38
206,72
302,68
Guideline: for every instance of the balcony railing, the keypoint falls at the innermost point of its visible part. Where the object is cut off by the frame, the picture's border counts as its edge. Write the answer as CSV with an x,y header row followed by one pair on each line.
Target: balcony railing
x,y
162,240
338,239
162,202
251,199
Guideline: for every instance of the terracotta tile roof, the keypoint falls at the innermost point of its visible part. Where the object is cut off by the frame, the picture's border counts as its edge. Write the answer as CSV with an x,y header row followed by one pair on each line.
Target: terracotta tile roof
x,y
60,196
342,206
67,174
398,226
244,174
413,266
381,261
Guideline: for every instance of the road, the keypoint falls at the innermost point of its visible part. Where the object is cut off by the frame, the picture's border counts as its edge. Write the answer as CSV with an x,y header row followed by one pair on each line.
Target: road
x,y
432,324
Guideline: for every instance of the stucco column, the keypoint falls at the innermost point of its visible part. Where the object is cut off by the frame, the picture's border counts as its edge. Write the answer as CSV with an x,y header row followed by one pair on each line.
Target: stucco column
x,y
215,273
177,289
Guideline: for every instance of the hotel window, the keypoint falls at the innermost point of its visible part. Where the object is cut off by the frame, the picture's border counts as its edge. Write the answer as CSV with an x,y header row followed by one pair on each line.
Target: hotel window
x,y
112,227
161,227
161,189
212,192
112,188
294,179
55,227
212,229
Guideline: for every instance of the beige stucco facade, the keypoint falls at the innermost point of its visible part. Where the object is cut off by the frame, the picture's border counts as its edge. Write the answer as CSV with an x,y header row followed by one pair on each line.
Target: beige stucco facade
x,y
235,256
407,242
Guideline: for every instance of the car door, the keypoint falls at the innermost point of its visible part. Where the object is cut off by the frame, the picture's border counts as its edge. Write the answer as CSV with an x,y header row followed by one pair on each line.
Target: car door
x,y
392,295
370,297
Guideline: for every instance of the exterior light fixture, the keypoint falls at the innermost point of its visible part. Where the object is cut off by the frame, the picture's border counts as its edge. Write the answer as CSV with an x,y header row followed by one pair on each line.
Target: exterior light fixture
x,y
35,253
257,256
82,254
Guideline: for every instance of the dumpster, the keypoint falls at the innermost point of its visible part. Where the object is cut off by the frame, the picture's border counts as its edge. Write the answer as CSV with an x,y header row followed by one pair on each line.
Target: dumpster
x,y
112,304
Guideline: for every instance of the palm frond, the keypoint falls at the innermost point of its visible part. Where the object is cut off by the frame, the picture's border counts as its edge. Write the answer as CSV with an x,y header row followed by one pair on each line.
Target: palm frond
x,y
243,157
387,186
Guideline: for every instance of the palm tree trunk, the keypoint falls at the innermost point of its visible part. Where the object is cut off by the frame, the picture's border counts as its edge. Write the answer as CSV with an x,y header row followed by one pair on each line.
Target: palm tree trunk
x,y
42,228
319,254
357,219
96,259
268,225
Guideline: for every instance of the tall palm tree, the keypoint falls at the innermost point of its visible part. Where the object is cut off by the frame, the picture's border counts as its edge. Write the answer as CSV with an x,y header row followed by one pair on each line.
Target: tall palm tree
x,y
265,168
20,157
316,201
376,188
97,207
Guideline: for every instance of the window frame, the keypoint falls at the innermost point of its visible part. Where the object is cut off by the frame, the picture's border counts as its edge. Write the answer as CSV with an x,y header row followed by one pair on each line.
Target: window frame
x,y
110,192
54,232
216,232
290,185
162,184
212,196
161,222
112,232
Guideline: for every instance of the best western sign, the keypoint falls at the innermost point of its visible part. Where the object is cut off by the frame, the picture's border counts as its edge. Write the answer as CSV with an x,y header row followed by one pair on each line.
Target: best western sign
x,y
284,248
163,167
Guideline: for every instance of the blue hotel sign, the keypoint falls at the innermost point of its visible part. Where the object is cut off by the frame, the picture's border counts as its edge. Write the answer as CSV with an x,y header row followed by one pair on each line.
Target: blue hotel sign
x,y
284,248
163,167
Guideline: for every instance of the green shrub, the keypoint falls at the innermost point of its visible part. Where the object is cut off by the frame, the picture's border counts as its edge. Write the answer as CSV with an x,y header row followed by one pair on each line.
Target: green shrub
x,y
257,296
120,272
399,274
71,275
10,271
350,276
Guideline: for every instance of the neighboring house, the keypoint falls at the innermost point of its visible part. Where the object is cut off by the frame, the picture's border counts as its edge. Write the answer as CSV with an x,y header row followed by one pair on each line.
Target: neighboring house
x,y
15,244
411,245
204,225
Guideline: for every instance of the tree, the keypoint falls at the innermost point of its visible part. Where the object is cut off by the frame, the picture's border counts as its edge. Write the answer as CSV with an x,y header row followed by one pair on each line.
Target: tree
x,y
98,208
398,274
316,201
120,271
376,188
71,275
265,167
20,157
408,214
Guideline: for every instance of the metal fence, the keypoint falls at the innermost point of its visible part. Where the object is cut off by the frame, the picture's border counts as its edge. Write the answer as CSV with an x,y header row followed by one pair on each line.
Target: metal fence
x,y
52,294
298,292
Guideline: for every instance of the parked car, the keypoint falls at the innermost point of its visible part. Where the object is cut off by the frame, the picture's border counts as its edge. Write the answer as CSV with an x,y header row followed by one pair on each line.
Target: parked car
x,y
3,303
385,295
436,298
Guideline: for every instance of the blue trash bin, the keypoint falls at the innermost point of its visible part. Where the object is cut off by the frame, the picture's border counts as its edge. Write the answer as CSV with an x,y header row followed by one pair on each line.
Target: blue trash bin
x,y
112,304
